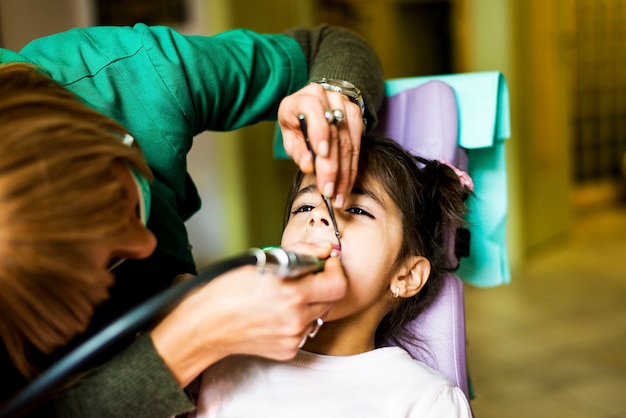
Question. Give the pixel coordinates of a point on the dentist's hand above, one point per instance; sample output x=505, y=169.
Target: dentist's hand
x=337, y=145
x=247, y=312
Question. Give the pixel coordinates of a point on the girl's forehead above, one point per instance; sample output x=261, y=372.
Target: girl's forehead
x=365, y=180
x=365, y=185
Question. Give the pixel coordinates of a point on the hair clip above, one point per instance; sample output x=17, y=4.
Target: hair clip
x=464, y=178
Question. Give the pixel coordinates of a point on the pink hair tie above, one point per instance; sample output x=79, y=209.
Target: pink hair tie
x=464, y=178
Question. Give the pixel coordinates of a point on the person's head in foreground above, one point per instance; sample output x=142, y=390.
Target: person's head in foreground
x=69, y=206
x=395, y=242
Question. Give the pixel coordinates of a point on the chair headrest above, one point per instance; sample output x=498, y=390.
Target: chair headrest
x=425, y=120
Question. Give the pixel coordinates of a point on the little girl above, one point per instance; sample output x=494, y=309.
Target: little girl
x=394, y=249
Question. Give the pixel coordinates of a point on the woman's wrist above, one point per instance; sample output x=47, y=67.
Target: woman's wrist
x=349, y=90
x=185, y=347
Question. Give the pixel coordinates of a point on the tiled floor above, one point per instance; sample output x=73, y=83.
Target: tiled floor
x=553, y=342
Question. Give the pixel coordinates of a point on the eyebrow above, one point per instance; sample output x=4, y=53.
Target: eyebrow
x=311, y=188
x=356, y=191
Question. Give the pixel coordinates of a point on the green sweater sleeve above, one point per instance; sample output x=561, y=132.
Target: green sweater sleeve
x=135, y=383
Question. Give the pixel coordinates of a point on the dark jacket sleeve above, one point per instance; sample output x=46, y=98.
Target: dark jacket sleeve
x=135, y=383
x=339, y=53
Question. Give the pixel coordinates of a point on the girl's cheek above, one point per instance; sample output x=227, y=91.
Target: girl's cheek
x=288, y=234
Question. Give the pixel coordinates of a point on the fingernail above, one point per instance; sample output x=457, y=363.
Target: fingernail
x=329, y=188
x=323, y=149
x=339, y=201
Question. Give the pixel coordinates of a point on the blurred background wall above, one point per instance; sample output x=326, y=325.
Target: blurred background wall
x=564, y=61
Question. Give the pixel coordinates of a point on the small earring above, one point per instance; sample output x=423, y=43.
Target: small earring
x=396, y=293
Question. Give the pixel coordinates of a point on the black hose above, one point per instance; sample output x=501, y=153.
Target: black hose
x=130, y=323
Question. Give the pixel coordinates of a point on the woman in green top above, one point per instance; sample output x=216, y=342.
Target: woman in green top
x=63, y=140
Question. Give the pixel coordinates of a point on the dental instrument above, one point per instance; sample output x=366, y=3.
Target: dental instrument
x=331, y=211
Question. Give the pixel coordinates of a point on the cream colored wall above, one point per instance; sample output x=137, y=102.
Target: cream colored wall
x=24, y=20
x=543, y=40
x=526, y=40
x=484, y=42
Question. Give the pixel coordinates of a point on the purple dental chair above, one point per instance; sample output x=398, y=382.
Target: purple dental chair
x=425, y=120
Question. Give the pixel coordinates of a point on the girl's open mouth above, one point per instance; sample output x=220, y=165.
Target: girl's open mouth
x=336, y=252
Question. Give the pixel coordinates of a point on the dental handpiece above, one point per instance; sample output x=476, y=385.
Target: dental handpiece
x=286, y=264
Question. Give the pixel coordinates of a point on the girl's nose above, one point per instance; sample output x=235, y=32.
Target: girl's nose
x=319, y=217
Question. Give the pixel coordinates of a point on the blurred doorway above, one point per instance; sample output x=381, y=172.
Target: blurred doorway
x=599, y=101
x=413, y=38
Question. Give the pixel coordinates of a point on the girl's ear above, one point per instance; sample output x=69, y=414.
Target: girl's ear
x=411, y=278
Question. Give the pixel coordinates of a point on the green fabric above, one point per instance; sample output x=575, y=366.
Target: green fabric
x=165, y=88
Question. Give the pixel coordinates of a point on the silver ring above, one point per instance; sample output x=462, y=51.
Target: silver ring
x=317, y=324
x=339, y=116
x=316, y=327
x=330, y=117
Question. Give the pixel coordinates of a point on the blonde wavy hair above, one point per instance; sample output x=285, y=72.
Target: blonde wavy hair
x=58, y=197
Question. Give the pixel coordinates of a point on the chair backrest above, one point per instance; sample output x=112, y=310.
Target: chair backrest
x=425, y=121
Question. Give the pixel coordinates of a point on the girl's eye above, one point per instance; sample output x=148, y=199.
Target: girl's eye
x=302, y=209
x=359, y=211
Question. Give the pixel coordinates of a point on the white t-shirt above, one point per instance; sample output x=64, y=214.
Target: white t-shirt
x=385, y=382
